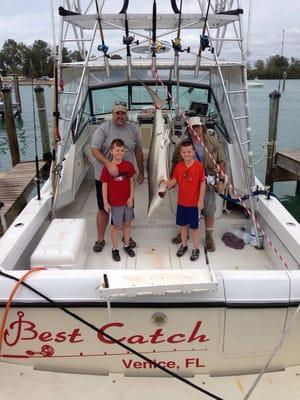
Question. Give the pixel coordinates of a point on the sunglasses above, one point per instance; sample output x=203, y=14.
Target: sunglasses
x=187, y=176
x=120, y=103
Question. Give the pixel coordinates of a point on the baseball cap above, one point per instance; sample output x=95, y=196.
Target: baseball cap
x=195, y=121
x=119, y=106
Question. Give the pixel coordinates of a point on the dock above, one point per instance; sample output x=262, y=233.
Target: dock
x=287, y=167
x=16, y=187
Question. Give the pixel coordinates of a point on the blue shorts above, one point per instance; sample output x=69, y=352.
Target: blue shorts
x=187, y=216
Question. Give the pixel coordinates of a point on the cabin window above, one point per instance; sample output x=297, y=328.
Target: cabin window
x=102, y=99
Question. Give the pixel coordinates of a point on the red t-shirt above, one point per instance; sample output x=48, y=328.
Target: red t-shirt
x=118, y=188
x=189, y=180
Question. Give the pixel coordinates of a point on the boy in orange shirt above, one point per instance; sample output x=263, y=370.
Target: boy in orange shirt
x=189, y=174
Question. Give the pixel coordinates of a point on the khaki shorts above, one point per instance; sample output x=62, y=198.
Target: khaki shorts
x=209, y=202
x=121, y=214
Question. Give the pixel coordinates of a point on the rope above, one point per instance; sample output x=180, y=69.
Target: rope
x=97, y=330
x=10, y=299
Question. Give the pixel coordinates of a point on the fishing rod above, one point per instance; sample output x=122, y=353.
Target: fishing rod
x=56, y=138
x=153, y=44
x=127, y=39
x=204, y=42
x=37, y=168
x=102, y=47
x=176, y=43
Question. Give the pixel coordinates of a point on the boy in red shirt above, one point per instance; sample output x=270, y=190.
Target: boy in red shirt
x=189, y=174
x=118, y=197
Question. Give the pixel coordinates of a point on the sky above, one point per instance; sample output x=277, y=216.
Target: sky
x=31, y=20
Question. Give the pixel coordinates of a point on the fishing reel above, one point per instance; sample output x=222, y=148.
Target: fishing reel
x=177, y=46
x=103, y=47
x=129, y=40
x=204, y=43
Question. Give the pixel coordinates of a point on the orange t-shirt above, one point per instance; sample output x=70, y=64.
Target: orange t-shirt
x=189, y=180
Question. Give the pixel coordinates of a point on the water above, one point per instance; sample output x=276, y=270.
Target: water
x=288, y=134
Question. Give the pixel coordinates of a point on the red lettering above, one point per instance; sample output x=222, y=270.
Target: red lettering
x=127, y=364
x=60, y=337
x=74, y=336
x=20, y=327
x=137, y=339
x=137, y=364
x=194, y=337
x=45, y=336
x=171, y=339
x=158, y=333
x=106, y=340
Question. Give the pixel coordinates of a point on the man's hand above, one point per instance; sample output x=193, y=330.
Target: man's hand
x=140, y=178
x=107, y=207
x=112, y=168
x=220, y=187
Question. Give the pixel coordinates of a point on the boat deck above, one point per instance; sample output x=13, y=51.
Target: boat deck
x=155, y=250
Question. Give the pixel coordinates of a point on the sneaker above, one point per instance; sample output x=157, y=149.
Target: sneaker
x=116, y=255
x=129, y=251
x=195, y=254
x=181, y=251
x=98, y=246
x=132, y=243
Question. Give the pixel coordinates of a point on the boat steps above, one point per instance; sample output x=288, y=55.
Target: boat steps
x=133, y=283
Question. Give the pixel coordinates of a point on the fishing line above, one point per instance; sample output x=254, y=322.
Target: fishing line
x=108, y=336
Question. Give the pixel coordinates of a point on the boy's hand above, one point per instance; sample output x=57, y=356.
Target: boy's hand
x=130, y=202
x=200, y=205
x=107, y=207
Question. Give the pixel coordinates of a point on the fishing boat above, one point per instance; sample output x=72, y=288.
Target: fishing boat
x=255, y=83
x=66, y=308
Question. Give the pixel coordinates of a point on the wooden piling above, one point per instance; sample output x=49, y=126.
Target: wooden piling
x=272, y=136
x=42, y=113
x=10, y=126
x=17, y=93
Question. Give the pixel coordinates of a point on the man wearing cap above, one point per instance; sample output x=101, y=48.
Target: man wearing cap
x=196, y=132
x=116, y=128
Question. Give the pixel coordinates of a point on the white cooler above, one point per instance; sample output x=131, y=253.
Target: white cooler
x=64, y=245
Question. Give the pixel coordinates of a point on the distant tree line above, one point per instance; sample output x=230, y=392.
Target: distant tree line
x=274, y=67
x=37, y=60
x=31, y=61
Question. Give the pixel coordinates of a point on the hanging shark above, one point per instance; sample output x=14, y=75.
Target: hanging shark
x=157, y=164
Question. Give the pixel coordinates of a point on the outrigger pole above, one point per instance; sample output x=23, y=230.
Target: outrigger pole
x=153, y=44
x=204, y=42
x=102, y=47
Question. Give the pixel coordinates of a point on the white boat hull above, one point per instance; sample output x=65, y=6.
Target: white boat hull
x=204, y=333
